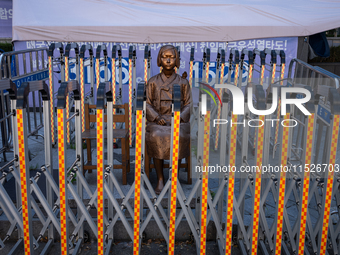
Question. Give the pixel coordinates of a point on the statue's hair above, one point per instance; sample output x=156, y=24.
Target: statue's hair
x=167, y=47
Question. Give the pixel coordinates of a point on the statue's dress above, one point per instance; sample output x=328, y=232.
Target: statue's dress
x=158, y=103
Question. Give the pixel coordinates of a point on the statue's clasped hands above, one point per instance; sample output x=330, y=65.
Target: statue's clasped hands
x=161, y=121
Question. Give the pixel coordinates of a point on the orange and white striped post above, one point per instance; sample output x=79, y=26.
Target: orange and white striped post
x=113, y=72
x=130, y=101
x=100, y=178
x=82, y=91
x=282, y=187
x=97, y=71
x=283, y=65
x=262, y=74
x=205, y=189
x=24, y=178
x=50, y=81
x=62, y=182
x=139, y=157
x=328, y=190
x=145, y=70
x=231, y=183
x=67, y=100
x=257, y=192
x=191, y=68
x=305, y=188
x=146, y=62
x=237, y=69
x=250, y=73
x=273, y=74
x=136, y=224
x=174, y=167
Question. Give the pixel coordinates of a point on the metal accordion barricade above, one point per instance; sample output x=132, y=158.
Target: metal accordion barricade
x=22, y=216
x=173, y=217
x=74, y=171
x=106, y=180
x=292, y=210
x=21, y=66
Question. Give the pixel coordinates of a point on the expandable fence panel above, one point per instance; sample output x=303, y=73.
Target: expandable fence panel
x=309, y=145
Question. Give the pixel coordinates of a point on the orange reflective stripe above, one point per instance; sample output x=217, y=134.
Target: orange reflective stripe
x=250, y=73
x=23, y=178
x=145, y=70
x=237, y=67
x=191, y=73
x=174, y=170
x=50, y=81
x=329, y=186
x=100, y=180
x=231, y=182
x=82, y=91
x=304, y=201
x=282, y=188
x=130, y=102
x=207, y=72
x=138, y=163
x=97, y=72
x=205, y=190
x=114, y=90
x=257, y=193
x=282, y=73
x=67, y=101
x=273, y=73
x=62, y=182
x=262, y=74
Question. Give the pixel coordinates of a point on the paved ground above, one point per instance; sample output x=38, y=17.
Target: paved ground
x=151, y=247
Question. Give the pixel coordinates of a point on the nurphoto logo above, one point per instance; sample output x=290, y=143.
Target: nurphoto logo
x=238, y=104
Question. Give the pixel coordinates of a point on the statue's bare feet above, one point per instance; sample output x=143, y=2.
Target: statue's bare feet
x=159, y=187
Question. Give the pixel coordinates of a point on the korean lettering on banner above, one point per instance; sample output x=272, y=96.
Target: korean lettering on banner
x=261, y=44
x=6, y=16
x=6, y=13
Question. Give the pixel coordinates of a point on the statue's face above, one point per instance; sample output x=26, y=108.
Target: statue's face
x=168, y=59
